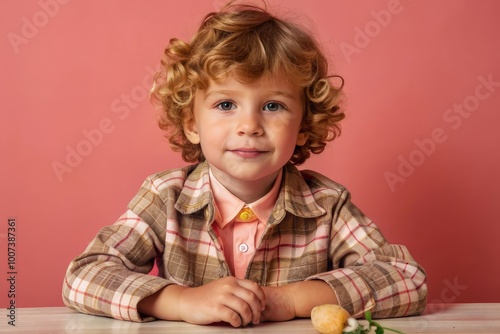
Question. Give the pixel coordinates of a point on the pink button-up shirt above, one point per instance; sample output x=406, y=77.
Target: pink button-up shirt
x=239, y=225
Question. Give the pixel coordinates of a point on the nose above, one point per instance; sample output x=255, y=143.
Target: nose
x=250, y=123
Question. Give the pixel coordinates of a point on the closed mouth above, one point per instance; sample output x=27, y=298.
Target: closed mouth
x=248, y=152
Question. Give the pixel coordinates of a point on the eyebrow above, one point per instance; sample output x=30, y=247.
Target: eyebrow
x=231, y=92
x=221, y=92
x=286, y=94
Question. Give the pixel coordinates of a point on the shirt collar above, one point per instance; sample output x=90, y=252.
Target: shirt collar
x=228, y=206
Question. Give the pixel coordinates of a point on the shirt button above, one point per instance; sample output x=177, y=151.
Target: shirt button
x=243, y=248
x=245, y=214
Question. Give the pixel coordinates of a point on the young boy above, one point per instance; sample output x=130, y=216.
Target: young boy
x=243, y=236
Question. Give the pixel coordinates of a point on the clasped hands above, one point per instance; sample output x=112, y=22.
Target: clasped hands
x=239, y=302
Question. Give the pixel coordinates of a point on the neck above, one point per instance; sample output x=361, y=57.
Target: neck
x=246, y=190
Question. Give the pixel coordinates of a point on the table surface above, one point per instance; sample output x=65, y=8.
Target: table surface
x=438, y=318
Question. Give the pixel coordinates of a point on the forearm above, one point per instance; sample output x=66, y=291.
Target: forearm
x=107, y=289
x=162, y=304
x=296, y=299
x=386, y=281
x=308, y=294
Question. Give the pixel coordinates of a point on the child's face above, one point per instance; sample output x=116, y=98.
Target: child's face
x=247, y=131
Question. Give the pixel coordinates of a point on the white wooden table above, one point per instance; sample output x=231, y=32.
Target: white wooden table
x=438, y=318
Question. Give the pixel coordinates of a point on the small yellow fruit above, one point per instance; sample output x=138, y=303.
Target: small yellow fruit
x=329, y=318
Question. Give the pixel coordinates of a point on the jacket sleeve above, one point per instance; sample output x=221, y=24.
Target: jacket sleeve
x=368, y=272
x=111, y=276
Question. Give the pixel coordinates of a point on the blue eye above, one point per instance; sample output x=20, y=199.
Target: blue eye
x=226, y=105
x=273, y=106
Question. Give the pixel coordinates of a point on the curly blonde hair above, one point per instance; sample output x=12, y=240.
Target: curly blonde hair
x=250, y=43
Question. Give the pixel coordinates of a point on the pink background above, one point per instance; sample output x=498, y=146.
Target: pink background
x=419, y=150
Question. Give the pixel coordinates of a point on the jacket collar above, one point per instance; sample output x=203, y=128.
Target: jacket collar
x=295, y=195
x=196, y=193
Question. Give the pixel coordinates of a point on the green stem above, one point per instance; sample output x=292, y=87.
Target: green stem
x=393, y=330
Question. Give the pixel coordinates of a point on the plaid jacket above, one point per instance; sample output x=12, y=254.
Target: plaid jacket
x=314, y=232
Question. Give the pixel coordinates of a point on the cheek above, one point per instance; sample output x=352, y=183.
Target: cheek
x=212, y=136
x=278, y=125
x=209, y=128
x=284, y=130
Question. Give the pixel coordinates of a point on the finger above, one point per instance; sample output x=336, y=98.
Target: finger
x=249, y=308
x=256, y=289
x=238, y=312
x=253, y=298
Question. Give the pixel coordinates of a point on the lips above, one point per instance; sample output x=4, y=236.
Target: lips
x=248, y=153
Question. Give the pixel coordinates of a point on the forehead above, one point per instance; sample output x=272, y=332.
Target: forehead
x=278, y=83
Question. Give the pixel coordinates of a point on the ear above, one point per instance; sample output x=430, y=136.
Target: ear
x=191, y=131
x=302, y=138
